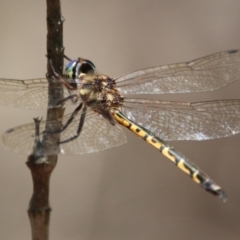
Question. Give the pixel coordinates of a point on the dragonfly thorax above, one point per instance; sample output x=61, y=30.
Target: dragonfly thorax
x=99, y=93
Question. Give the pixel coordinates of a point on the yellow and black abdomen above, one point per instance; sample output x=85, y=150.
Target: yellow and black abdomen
x=172, y=154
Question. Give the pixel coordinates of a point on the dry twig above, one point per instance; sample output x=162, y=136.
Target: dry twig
x=39, y=207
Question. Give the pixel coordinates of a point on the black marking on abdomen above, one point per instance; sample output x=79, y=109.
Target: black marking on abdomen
x=138, y=130
x=145, y=137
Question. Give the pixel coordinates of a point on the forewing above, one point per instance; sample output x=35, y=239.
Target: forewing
x=186, y=121
x=30, y=94
x=204, y=74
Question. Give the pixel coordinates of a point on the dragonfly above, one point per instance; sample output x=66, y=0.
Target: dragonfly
x=105, y=104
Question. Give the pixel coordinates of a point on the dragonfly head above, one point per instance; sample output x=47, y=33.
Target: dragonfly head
x=75, y=67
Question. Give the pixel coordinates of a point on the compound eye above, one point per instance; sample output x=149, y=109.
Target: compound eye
x=87, y=67
x=71, y=65
x=91, y=64
x=70, y=70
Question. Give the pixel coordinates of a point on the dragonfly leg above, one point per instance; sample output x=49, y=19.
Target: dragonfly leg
x=73, y=115
x=64, y=82
x=66, y=57
x=80, y=126
x=53, y=69
x=73, y=97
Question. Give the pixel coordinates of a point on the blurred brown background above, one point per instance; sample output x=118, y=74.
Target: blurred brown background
x=130, y=192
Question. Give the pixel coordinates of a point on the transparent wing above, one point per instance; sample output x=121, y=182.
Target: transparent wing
x=97, y=135
x=31, y=93
x=186, y=121
x=204, y=74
